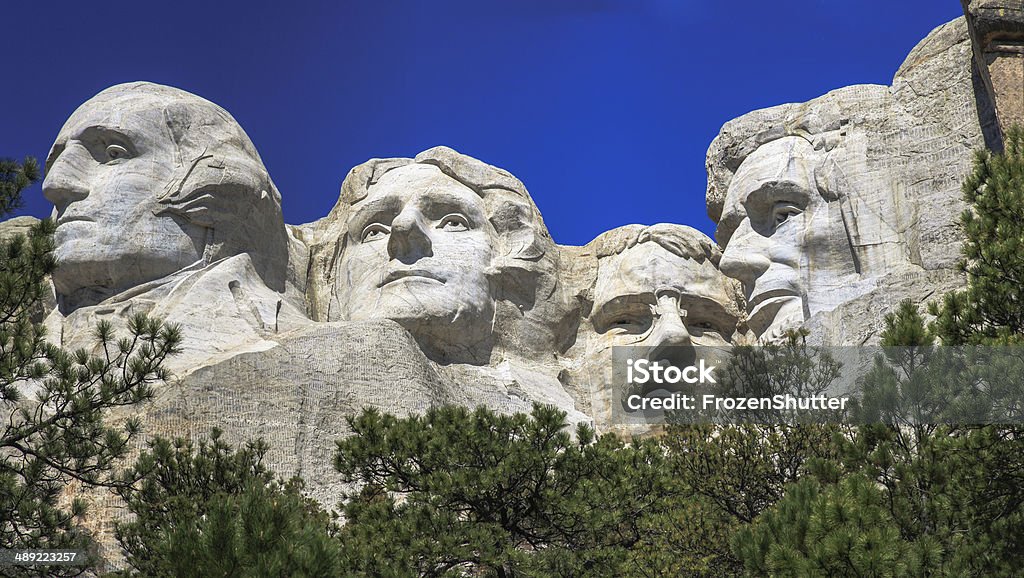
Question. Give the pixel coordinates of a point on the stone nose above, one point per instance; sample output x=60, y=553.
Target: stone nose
x=744, y=257
x=409, y=241
x=669, y=329
x=67, y=179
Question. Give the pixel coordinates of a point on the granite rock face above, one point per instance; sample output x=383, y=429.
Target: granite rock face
x=997, y=33
x=849, y=203
x=434, y=279
x=16, y=226
x=453, y=249
x=657, y=289
x=163, y=206
x=826, y=210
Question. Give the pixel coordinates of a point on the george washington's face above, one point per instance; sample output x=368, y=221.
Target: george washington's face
x=106, y=170
x=419, y=251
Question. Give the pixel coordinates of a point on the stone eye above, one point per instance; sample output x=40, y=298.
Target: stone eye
x=374, y=231
x=783, y=212
x=703, y=328
x=116, y=151
x=627, y=323
x=453, y=222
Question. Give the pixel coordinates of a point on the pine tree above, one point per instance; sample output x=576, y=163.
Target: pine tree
x=907, y=493
x=741, y=463
x=880, y=505
x=842, y=529
x=991, y=309
x=54, y=432
x=457, y=492
x=14, y=178
x=733, y=473
x=214, y=511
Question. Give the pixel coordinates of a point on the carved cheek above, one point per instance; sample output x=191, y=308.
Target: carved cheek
x=365, y=265
x=468, y=252
x=135, y=183
x=789, y=242
x=827, y=228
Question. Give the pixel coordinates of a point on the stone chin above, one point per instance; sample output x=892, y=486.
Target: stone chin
x=420, y=302
x=104, y=263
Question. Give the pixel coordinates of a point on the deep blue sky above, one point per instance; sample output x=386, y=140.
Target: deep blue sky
x=604, y=108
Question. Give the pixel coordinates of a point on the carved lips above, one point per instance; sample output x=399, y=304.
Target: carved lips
x=765, y=307
x=756, y=301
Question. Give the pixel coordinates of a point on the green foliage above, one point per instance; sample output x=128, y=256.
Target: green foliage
x=733, y=473
x=881, y=508
x=25, y=263
x=14, y=178
x=213, y=511
x=991, y=309
x=843, y=529
x=903, y=494
x=985, y=493
x=54, y=432
x=458, y=492
x=911, y=382
x=792, y=367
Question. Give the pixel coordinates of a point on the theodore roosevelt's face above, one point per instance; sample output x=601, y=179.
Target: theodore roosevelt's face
x=106, y=170
x=651, y=298
x=419, y=251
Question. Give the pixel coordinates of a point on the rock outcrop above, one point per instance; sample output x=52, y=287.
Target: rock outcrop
x=434, y=279
x=997, y=34
x=850, y=203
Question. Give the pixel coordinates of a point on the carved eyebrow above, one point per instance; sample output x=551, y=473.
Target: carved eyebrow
x=444, y=202
x=86, y=135
x=772, y=192
x=102, y=130
x=705, y=307
x=762, y=198
x=370, y=211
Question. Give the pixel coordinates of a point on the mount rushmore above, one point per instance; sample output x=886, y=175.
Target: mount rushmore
x=434, y=279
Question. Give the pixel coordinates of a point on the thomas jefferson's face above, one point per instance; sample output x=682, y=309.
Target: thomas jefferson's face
x=106, y=170
x=649, y=297
x=418, y=251
x=772, y=219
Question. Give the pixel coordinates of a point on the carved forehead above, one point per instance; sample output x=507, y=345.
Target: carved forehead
x=648, y=268
x=787, y=163
x=417, y=180
x=156, y=111
x=133, y=114
x=790, y=159
x=422, y=185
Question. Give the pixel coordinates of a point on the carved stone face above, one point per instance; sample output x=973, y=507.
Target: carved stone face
x=648, y=296
x=106, y=170
x=419, y=250
x=773, y=224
